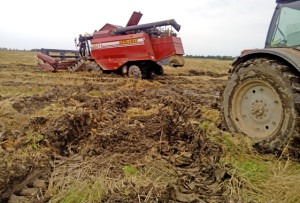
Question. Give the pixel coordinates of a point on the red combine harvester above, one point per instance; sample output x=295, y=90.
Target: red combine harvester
x=134, y=50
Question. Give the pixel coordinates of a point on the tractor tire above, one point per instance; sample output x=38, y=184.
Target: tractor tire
x=135, y=72
x=261, y=101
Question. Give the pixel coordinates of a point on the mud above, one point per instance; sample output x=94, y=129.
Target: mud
x=208, y=73
x=115, y=122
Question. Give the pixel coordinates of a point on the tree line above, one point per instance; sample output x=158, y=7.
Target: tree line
x=10, y=49
x=211, y=57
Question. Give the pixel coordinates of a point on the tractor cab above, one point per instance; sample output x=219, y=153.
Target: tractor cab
x=284, y=31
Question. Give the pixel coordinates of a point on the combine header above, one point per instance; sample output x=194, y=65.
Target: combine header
x=134, y=50
x=54, y=62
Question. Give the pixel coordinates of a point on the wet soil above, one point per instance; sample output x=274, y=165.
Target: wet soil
x=105, y=115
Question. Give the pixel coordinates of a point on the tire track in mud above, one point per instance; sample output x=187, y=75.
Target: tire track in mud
x=137, y=118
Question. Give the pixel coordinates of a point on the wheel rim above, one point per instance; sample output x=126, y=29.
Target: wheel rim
x=134, y=72
x=257, y=109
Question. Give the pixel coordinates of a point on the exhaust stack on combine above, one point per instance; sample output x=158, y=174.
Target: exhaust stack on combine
x=134, y=50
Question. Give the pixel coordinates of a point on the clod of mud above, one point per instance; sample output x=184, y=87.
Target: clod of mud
x=66, y=131
x=23, y=171
x=199, y=176
x=2, y=98
x=9, y=135
x=30, y=104
x=36, y=123
x=208, y=73
x=293, y=149
x=16, y=199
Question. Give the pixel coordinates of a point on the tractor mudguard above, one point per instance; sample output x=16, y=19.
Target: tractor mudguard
x=289, y=55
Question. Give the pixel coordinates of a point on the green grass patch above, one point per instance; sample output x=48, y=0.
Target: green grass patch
x=17, y=57
x=25, y=90
x=133, y=112
x=34, y=139
x=256, y=177
x=96, y=93
x=129, y=170
x=88, y=182
x=88, y=191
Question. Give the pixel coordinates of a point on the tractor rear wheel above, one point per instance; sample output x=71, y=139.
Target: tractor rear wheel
x=259, y=101
x=135, y=72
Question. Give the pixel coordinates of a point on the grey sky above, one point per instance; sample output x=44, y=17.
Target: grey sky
x=208, y=27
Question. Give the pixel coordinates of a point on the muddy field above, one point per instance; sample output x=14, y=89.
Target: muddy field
x=96, y=137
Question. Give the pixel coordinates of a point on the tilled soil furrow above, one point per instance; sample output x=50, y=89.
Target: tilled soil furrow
x=130, y=121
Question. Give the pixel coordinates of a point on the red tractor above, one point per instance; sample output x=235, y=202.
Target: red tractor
x=262, y=96
x=134, y=50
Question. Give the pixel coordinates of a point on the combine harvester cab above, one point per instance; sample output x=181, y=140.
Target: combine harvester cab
x=134, y=50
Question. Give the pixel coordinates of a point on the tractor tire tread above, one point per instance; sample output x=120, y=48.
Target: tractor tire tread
x=289, y=76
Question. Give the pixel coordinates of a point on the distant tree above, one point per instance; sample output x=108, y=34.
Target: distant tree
x=211, y=57
x=36, y=50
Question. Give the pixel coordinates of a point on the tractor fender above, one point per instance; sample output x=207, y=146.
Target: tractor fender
x=288, y=55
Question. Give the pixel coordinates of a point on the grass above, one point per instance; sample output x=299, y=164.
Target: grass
x=200, y=65
x=34, y=140
x=129, y=170
x=140, y=85
x=10, y=119
x=90, y=181
x=25, y=90
x=96, y=93
x=17, y=57
x=261, y=178
x=254, y=177
x=133, y=112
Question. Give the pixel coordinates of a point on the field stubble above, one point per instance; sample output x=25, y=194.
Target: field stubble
x=91, y=137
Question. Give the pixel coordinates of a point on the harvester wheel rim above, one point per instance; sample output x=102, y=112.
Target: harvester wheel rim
x=257, y=109
x=92, y=67
x=135, y=72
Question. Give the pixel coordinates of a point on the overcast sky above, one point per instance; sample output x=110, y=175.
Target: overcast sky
x=208, y=27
